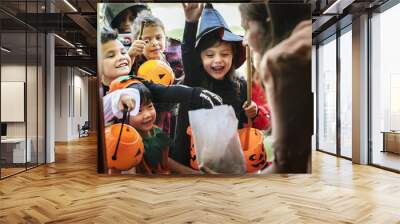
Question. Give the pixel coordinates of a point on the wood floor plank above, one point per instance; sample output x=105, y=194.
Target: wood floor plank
x=70, y=191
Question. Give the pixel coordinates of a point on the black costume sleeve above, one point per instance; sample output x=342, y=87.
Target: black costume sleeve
x=190, y=58
x=196, y=97
x=169, y=94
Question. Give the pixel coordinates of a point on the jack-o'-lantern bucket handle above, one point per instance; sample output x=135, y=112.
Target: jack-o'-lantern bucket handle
x=252, y=139
x=124, y=116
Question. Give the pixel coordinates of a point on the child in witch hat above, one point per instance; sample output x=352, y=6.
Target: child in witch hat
x=210, y=61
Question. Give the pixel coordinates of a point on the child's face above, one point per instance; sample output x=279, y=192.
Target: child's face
x=217, y=60
x=155, y=38
x=126, y=22
x=115, y=60
x=144, y=121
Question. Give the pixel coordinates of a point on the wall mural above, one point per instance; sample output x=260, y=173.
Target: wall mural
x=182, y=92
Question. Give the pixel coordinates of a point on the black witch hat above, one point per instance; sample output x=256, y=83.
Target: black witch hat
x=211, y=21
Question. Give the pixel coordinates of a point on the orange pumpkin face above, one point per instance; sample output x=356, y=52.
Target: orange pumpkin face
x=253, y=148
x=122, y=82
x=193, y=158
x=157, y=71
x=130, y=148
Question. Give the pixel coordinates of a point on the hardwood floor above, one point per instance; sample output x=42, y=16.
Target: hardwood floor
x=10, y=171
x=70, y=191
x=388, y=159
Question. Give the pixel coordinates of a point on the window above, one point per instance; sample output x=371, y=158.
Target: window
x=327, y=95
x=22, y=74
x=346, y=92
x=385, y=87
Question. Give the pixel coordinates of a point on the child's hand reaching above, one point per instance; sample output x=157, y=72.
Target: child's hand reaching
x=137, y=48
x=126, y=101
x=251, y=111
x=206, y=98
x=192, y=11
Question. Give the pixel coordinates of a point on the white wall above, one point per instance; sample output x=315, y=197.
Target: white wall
x=33, y=126
x=71, y=102
x=14, y=73
x=61, y=104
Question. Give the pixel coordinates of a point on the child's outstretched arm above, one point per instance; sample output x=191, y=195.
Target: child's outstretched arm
x=192, y=11
x=196, y=96
x=191, y=61
x=113, y=103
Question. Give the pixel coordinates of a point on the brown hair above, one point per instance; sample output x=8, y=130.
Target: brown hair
x=276, y=20
x=107, y=34
x=259, y=12
x=148, y=19
x=285, y=18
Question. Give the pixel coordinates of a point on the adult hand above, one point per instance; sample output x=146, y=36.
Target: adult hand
x=192, y=11
x=137, y=48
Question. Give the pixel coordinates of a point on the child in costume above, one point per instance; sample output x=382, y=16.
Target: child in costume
x=156, y=143
x=210, y=61
x=149, y=43
x=121, y=16
x=149, y=40
x=115, y=62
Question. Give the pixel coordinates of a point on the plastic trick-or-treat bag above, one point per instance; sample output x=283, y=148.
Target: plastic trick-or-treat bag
x=217, y=143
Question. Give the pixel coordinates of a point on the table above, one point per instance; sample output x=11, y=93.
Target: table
x=391, y=141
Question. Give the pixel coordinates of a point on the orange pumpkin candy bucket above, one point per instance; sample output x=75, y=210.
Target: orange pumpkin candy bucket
x=251, y=140
x=193, y=157
x=124, y=148
x=157, y=71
